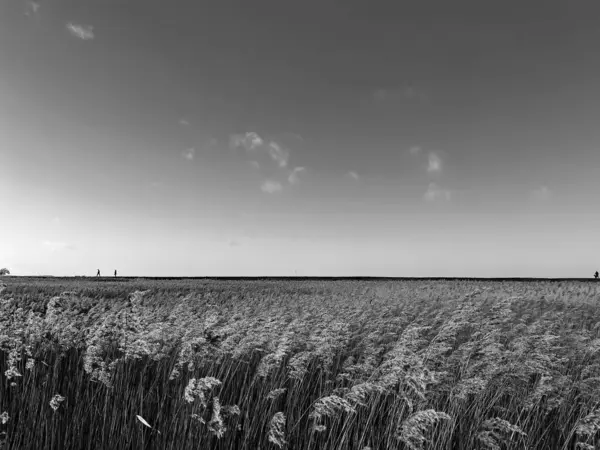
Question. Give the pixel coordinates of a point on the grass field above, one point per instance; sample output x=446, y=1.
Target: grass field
x=307, y=364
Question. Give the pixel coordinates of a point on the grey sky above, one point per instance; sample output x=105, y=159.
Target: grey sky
x=335, y=138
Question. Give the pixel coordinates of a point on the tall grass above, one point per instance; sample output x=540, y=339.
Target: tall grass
x=299, y=365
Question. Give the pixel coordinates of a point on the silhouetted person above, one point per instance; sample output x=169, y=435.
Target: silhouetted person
x=596, y=275
x=98, y=274
x=115, y=273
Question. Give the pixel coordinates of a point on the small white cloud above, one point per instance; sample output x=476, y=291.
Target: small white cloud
x=434, y=192
x=543, y=193
x=184, y=122
x=294, y=177
x=252, y=142
x=353, y=175
x=435, y=163
x=85, y=32
x=278, y=154
x=271, y=187
x=249, y=141
x=32, y=8
x=189, y=154
x=57, y=246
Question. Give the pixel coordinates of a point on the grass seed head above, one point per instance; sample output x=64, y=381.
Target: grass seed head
x=56, y=401
x=277, y=430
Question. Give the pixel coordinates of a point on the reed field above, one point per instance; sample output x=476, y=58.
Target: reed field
x=298, y=364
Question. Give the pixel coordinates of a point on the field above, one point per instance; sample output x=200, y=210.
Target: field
x=298, y=364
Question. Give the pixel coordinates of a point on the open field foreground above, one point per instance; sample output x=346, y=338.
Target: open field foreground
x=182, y=364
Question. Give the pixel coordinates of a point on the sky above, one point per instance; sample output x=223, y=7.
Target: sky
x=314, y=138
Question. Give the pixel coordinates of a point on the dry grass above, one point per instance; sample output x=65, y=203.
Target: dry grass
x=299, y=365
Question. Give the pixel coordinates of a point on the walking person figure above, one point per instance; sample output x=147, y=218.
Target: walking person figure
x=98, y=274
x=115, y=273
x=596, y=275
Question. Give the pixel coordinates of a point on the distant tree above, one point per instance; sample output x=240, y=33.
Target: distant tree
x=4, y=271
x=596, y=275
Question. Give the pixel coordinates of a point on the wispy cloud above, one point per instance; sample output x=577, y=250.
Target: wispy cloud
x=352, y=175
x=414, y=150
x=189, y=154
x=271, y=187
x=184, y=122
x=434, y=193
x=57, y=246
x=435, y=163
x=248, y=141
x=253, y=143
x=234, y=243
x=279, y=154
x=85, y=32
x=31, y=8
x=294, y=177
x=268, y=155
x=543, y=193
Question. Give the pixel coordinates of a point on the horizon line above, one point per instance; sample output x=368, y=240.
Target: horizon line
x=298, y=277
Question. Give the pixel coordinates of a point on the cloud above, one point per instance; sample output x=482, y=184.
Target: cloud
x=31, y=8
x=184, y=122
x=294, y=177
x=234, y=243
x=253, y=143
x=434, y=193
x=85, y=32
x=278, y=154
x=353, y=175
x=415, y=150
x=543, y=193
x=56, y=221
x=254, y=164
x=249, y=141
x=189, y=154
x=57, y=246
x=271, y=187
x=435, y=163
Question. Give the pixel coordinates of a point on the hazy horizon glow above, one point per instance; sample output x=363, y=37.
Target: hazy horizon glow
x=306, y=138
